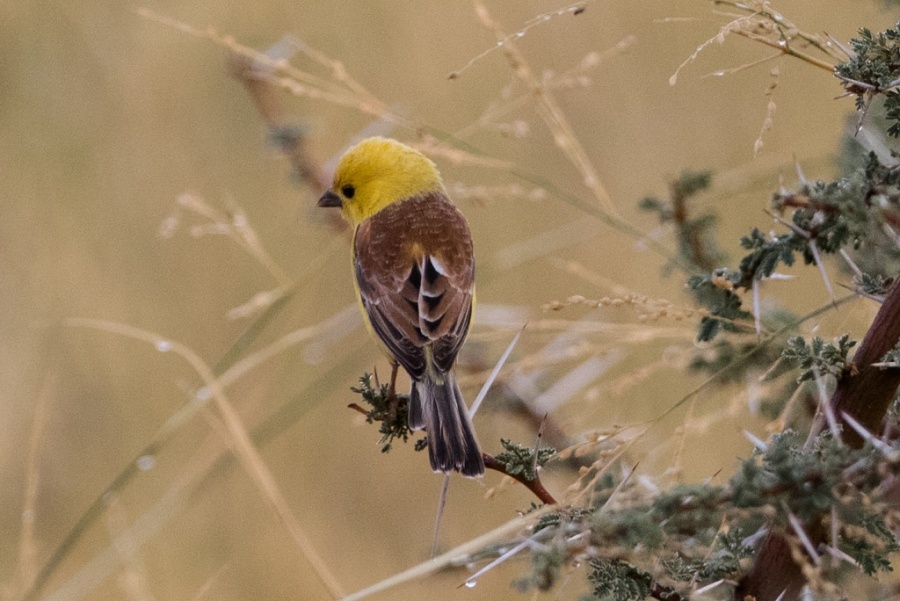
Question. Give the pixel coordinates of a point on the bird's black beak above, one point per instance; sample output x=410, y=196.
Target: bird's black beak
x=329, y=199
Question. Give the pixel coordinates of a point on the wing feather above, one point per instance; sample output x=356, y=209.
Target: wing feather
x=415, y=272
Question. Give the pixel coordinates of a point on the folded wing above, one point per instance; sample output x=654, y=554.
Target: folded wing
x=415, y=273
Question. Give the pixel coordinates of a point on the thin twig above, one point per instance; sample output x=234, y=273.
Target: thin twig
x=535, y=486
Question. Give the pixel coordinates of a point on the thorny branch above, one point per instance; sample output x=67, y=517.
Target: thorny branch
x=534, y=486
x=490, y=462
x=864, y=395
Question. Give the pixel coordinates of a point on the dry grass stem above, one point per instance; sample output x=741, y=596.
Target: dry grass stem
x=143, y=529
x=583, y=486
x=739, y=68
x=506, y=483
x=538, y=20
x=623, y=332
x=681, y=440
x=648, y=309
x=618, y=387
x=544, y=243
x=575, y=77
x=473, y=579
x=290, y=139
x=338, y=71
x=341, y=90
x=103, y=564
x=758, y=22
x=133, y=579
x=626, y=478
x=741, y=359
x=483, y=195
x=442, y=503
x=334, y=325
x=494, y=372
x=236, y=226
x=258, y=303
x=537, y=361
x=203, y=591
x=735, y=407
x=719, y=38
x=550, y=111
x=27, y=545
x=454, y=556
x=588, y=275
x=785, y=418
x=564, y=388
x=239, y=441
x=813, y=247
x=777, y=25
x=434, y=148
x=770, y=112
x=606, y=440
x=265, y=299
x=341, y=323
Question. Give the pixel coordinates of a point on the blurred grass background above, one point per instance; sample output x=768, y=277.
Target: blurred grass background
x=108, y=117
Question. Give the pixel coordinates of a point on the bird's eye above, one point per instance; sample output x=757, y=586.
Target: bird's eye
x=348, y=191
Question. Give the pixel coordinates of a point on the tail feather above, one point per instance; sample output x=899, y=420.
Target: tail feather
x=416, y=413
x=439, y=408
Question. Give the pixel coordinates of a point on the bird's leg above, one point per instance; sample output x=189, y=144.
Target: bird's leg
x=392, y=400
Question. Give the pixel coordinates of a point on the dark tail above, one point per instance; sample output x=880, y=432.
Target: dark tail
x=441, y=410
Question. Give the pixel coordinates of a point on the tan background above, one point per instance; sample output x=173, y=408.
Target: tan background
x=107, y=117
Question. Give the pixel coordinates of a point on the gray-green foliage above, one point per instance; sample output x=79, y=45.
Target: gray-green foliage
x=875, y=69
x=847, y=214
x=694, y=230
x=696, y=534
x=390, y=413
x=892, y=356
x=616, y=580
x=667, y=543
x=819, y=358
x=519, y=459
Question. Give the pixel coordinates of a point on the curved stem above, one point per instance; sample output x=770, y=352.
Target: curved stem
x=535, y=486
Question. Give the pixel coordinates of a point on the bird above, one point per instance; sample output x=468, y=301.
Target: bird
x=414, y=269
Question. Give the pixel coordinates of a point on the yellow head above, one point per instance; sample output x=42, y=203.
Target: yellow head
x=376, y=173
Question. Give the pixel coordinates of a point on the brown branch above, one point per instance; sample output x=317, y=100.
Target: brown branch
x=799, y=201
x=774, y=573
x=692, y=237
x=491, y=463
x=864, y=394
x=664, y=593
x=535, y=486
x=289, y=138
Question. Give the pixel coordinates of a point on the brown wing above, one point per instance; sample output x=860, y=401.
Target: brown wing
x=416, y=276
